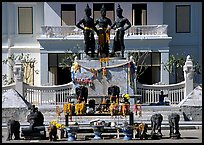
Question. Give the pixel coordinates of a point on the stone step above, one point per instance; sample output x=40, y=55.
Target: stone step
x=49, y=112
x=106, y=118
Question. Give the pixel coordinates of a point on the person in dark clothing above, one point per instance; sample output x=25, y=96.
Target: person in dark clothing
x=88, y=31
x=118, y=26
x=104, y=33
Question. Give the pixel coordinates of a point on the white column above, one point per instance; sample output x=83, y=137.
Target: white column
x=44, y=67
x=164, y=78
x=188, y=76
x=10, y=62
x=19, y=74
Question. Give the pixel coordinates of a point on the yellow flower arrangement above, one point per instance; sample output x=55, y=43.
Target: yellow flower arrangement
x=58, y=125
x=53, y=122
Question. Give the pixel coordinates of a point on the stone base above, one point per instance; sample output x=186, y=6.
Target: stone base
x=156, y=136
x=38, y=133
x=192, y=113
x=175, y=136
x=19, y=114
x=116, y=73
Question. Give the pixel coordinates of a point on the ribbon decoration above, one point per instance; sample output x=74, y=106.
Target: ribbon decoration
x=104, y=71
x=76, y=66
x=95, y=72
x=138, y=108
x=105, y=60
x=128, y=67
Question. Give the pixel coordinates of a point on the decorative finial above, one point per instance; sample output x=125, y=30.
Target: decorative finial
x=103, y=8
x=119, y=8
x=87, y=8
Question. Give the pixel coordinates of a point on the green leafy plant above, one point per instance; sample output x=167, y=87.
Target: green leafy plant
x=69, y=58
x=175, y=64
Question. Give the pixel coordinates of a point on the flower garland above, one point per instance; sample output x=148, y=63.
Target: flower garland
x=89, y=80
x=86, y=81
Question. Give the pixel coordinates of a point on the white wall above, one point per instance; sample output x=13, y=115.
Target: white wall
x=4, y=18
x=155, y=13
x=184, y=44
x=52, y=13
x=21, y=43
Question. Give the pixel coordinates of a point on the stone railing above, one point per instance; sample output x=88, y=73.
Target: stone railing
x=68, y=31
x=150, y=93
x=7, y=87
x=48, y=95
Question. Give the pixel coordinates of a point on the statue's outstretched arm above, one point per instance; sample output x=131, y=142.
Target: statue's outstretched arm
x=128, y=24
x=79, y=24
x=113, y=25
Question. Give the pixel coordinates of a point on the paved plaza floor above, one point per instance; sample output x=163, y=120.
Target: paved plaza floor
x=187, y=136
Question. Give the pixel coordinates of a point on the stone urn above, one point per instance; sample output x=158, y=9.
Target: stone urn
x=72, y=132
x=98, y=130
x=127, y=130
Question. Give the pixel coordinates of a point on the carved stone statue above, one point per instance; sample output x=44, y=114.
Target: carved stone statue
x=113, y=92
x=156, y=121
x=174, y=125
x=52, y=129
x=35, y=118
x=118, y=25
x=82, y=93
x=104, y=33
x=141, y=130
x=88, y=31
x=36, y=128
x=13, y=127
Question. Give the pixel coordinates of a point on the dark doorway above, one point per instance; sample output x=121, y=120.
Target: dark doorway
x=63, y=76
x=139, y=14
x=146, y=77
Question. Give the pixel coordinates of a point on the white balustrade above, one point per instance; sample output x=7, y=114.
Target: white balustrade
x=50, y=95
x=60, y=94
x=7, y=87
x=66, y=31
x=150, y=93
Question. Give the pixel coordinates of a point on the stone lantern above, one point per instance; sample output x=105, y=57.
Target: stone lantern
x=188, y=75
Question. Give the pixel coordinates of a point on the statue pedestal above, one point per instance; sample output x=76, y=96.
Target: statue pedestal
x=103, y=73
x=175, y=135
x=37, y=133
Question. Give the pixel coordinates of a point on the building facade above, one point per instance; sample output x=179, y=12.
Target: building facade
x=46, y=31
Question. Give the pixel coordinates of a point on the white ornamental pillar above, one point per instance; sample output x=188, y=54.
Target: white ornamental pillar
x=18, y=75
x=188, y=76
